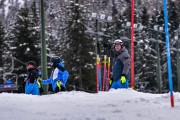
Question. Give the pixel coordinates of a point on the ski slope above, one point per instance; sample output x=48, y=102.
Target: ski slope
x=122, y=104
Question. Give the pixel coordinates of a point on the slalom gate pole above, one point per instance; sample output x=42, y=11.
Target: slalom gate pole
x=97, y=69
x=102, y=84
x=104, y=74
x=168, y=53
x=108, y=75
x=132, y=44
x=99, y=74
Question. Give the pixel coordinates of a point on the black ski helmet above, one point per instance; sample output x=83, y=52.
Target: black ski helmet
x=32, y=63
x=55, y=59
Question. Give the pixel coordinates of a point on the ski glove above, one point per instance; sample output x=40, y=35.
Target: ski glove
x=58, y=83
x=110, y=81
x=123, y=79
x=39, y=80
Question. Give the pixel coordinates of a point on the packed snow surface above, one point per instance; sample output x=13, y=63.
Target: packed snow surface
x=122, y=104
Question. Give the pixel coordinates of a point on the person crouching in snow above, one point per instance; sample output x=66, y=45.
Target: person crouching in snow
x=120, y=66
x=58, y=76
x=31, y=85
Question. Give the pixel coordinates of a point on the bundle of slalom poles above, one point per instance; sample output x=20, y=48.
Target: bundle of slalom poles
x=102, y=79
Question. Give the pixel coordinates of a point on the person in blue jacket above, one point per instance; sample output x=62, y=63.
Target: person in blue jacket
x=31, y=85
x=120, y=66
x=59, y=75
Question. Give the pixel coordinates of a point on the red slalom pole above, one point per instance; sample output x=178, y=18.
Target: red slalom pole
x=172, y=100
x=108, y=76
x=132, y=44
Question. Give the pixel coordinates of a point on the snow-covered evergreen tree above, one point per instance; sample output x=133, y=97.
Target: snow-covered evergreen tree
x=2, y=50
x=79, y=54
x=58, y=38
x=25, y=37
x=173, y=31
x=2, y=39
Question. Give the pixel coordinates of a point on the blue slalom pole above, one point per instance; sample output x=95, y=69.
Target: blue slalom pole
x=168, y=53
x=99, y=77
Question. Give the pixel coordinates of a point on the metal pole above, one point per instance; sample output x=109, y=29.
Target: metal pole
x=178, y=61
x=43, y=48
x=158, y=68
x=97, y=36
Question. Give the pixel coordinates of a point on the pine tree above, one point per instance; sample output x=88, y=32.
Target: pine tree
x=143, y=50
x=174, y=24
x=2, y=38
x=35, y=32
x=145, y=17
x=79, y=58
x=173, y=17
x=25, y=37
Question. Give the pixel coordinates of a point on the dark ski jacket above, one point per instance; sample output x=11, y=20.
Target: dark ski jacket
x=31, y=86
x=121, y=64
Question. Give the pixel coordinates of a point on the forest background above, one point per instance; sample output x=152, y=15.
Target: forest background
x=72, y=31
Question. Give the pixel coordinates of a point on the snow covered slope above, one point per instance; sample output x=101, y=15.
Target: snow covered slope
x=124, y=104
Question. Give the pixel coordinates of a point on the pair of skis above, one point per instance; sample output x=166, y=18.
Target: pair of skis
x=102, y=80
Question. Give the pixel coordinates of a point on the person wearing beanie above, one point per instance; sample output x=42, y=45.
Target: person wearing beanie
x=59, y=75
x=31, y=86
x=120, y=66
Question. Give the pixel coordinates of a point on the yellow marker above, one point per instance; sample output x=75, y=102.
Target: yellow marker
x=108, y=61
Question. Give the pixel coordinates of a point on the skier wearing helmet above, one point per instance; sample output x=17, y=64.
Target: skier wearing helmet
x=58, y=76
x=120, y=66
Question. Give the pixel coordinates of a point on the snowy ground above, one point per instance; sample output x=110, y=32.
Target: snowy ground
x=124, y=104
